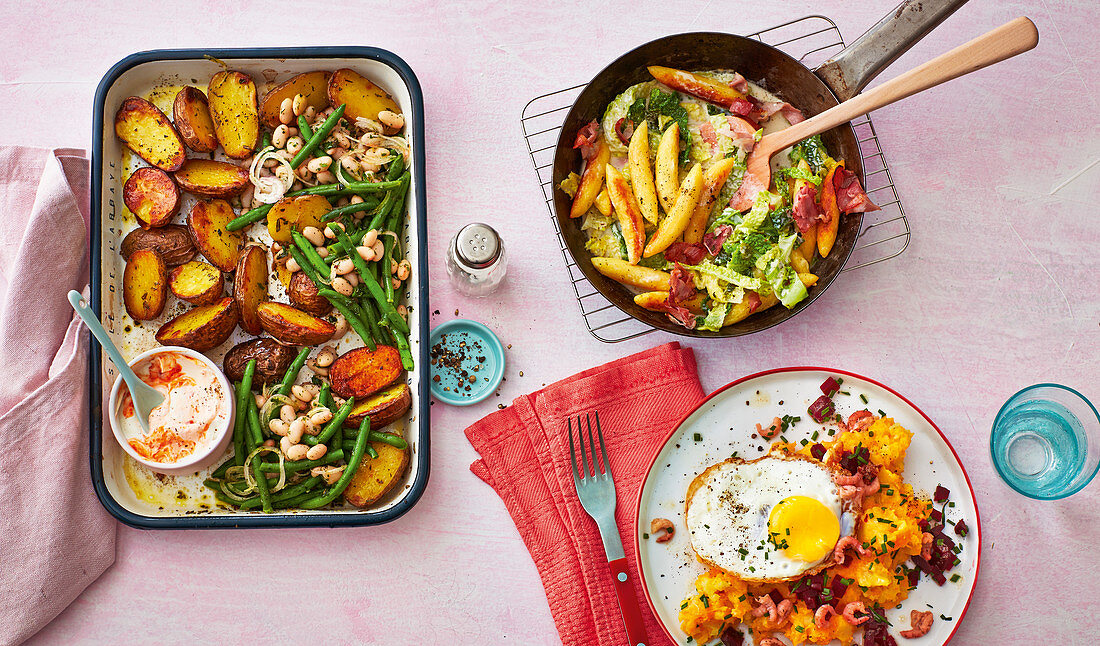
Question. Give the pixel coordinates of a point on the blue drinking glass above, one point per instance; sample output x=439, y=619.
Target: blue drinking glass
x=1046, y=441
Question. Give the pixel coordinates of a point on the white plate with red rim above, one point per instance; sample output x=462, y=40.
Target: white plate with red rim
x=723, y=423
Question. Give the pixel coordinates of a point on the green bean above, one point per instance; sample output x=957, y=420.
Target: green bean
x=318, y=137
x=387, y=308
x=255, y=463
x=332, y=493
x=223, y=467
x=303, y=127
x=403, y=350
x=245, y=219
x=396, y=441
x=387, y=262
x=292, y=372
x=347, y=209
x=349, y=445
x=295, y=502
x=265, y=141
x=260, y=212
x=370, y=315
x=309, y=252
x=221, y=497
x=293, y=491
x=379, y=217
x=244, y=390
x=325, y=396
x=303, y=465
x=352, y=319
x=334, y=424
x=306, y=267
x=397, y=166
x=377, y=187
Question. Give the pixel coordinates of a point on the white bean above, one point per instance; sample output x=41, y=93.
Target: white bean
x=297, y=452
x=341, y=327
x=285, y=444
x=329, y=233
x=321, y=417
x=349, y=163
x=353, y=278
x=286, y=110
x=343, y=201
x=297, y=430
x=319, y=164
x=342, y=286
x=260, y=401
x=366, y=253
x=310, y=112
x=379, y=250
x=301, y=392
x=393, y=266
x=278, y=426
x=345, y=266
x=279, y=137
x=391, y=119
x=316, y=452
x=370, y=237
x=287, y=413
x=294, y=144
x=292, y=265
x=326, y=356
x=396, y=283
x=403, y=311
x=403, y=270
x=322, y=251
x=314, y=235
x=299, y=104
x=357, y=199
x=312, y=365
x=325, y=177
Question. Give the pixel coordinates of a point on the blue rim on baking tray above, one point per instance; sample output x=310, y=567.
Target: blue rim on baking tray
x=95, y=359
x=467, y=362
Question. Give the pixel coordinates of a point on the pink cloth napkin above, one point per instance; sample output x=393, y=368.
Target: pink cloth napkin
x=55, y=537
x=525, y=457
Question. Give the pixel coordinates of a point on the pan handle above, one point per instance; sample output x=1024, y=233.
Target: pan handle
x=853, y=68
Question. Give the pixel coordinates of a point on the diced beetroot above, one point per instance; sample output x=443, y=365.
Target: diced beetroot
x=936, y=516
x=822, y=409
x=961, y=529
x=817, y=451
x=875, y=634
x=776, y=596
x=731, y=636
x=854, y=460
x=929, y=569
x=817, y=581
x=830, y=387
x=838, y=587
x=941, y=493
x=914, y=578
x=942, y=539
x=923, y=523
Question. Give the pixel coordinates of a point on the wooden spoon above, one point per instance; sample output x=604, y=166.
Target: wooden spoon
x=1004, y=42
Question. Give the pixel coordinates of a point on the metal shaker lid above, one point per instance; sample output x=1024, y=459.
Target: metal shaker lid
x=478, y=245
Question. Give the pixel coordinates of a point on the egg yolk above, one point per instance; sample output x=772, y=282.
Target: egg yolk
x=804, y=528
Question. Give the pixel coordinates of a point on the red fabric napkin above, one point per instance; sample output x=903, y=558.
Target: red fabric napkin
x=55, y=537
x=525, y=458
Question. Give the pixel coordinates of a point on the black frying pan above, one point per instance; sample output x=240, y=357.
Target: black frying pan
x=812, y=91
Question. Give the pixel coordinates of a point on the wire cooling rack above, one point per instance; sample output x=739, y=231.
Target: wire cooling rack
x=812, y=40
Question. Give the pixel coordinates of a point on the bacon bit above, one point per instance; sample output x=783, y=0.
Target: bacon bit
x=850, y=610
x=806, y=212
x=714, y=240
x=624, y=132
x=850, y=197
x=741, y=131
x=658, y=525
x=689, y=254
x=732, y=637
x=586, y=139
x=742, y=107
x=681, y=290
x=707, y=133
x=922, y=623
x=739, y=83
x=926, y=542
x=770, y=431
x=843, y=545
x=823, y=618
x=754, y=301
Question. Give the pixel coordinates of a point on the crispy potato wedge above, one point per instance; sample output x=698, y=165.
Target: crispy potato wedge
x=361, y=373
x=232, y=99
x=713, y=181
x=173, y=242
x=799, y=262
x=191, y=113
x=383, y=407
x=591, y=180
x=144, y=285
x=706, y=89
x=633, y=275
x=147, y=132
x=292, y=213
x=303, y=295
x=603, y=203
x=808, y=279
x=207, y=222
x=641, y=173
x=363, y=98
x=201, y=328
x=312, y=85
x=674, y=223
x=378, y=476
x=197, y=283
x=809, y=243
x=152, y=196
x=668, y=167
x=272, y=360
x=291, y=325
x=250, y=286
x=742, y=310
x=656, y=301
x=630, y=215
x=826, y=231
x=211, y=178
x=283, y=274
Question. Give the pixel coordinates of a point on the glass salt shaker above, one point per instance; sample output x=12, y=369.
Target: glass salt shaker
x=476, y=263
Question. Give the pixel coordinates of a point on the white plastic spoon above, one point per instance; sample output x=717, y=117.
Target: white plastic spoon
x=144, y=396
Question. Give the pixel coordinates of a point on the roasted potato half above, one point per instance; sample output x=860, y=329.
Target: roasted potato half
x=303, y=295
x=232, y=99
x=250, y=286
x=378, y=476
x=197, y=283
x=383, y=407
x=207, y=222
x=296, y=213
x=363, y=98
x=360, y=373
x=152, y=196
x=272, y=360
x=144, y=285
x=201, y=328
x=146, y=131
x=173, y=242
x=211, y=178
x=292, y=325
x=312, y=85
x=191, y=113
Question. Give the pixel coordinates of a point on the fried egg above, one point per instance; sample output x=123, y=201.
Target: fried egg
x=771, y=519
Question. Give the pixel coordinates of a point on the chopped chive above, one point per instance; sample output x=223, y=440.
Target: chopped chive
x=697, y=437
x=863, y=398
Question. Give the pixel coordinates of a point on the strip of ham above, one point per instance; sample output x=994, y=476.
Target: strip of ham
x=805, y=211
x=740, y=131
x=707, y=133
x=739, y=83
x=714, y=240
x=681, y=289
x=689, y=254
x=586, y=137
x=850, y=197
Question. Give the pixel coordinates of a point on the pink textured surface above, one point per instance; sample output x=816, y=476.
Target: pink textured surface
x=999, y=175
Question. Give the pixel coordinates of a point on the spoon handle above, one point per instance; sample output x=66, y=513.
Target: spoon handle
x=84, y=311
x=1008, y=40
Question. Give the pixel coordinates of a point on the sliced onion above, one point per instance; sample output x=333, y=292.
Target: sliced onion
x=251, y=479
x=269, y=406
x=231, y=494
x=270, y=190
x=369, y=124
x=394, y=143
